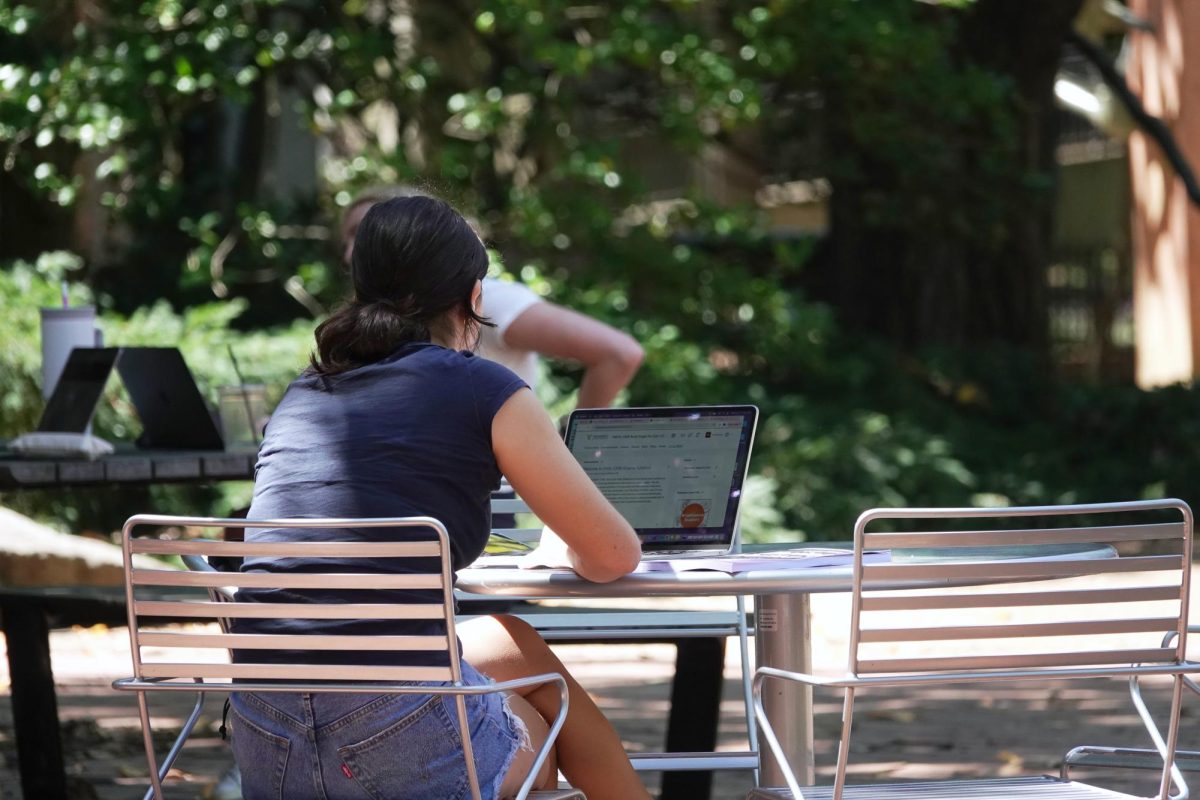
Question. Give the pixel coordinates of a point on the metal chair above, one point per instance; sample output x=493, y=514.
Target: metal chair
x=1137, y=757
x=160, y=664
x=1153, y=554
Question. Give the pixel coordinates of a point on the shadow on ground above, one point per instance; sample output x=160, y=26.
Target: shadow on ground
x=949, y=732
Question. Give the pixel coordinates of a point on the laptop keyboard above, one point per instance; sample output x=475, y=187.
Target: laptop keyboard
x=683, y=553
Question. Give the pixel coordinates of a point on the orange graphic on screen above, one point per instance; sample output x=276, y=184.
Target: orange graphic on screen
x=692, y=515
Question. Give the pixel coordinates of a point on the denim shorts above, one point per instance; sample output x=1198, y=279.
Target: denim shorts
x=370, y=747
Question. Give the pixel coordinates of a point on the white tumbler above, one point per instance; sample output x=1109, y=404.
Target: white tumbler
x=64, y=329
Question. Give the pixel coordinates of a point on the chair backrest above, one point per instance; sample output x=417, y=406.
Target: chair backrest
x=168, y=656
x=1120, y=575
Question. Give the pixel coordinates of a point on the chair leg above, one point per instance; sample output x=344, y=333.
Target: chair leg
x=1171, y=771
x=460, y=704
x=155, y=790
x=159, y=773
x=747, y=680
x=1164, y=790
x=839, y=781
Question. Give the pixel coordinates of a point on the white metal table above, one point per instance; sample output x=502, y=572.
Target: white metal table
x=781, y=615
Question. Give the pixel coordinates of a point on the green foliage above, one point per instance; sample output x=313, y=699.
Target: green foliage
x=24, y=288
x=562, y=127
x=927, y=138
x=203, y=334
x=271, y=356
x=123, y=83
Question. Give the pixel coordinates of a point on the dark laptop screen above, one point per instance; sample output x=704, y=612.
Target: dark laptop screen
x=73, y=402
x=675, y=474
x=173, y=413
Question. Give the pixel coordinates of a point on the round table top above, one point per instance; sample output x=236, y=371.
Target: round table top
x=562, y=583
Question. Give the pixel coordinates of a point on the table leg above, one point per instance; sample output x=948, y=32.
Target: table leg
x=783, y=639
x=695, y=713
x=34, y=706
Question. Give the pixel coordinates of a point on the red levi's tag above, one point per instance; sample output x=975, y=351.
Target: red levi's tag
x=346, y=771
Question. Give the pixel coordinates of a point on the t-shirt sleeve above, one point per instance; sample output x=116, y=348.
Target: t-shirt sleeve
x=491, y=384
x=504, y=301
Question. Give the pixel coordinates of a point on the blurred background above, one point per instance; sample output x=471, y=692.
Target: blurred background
x=949, y=248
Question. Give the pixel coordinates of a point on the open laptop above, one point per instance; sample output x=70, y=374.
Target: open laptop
x=73, y=402
x=675, y=473
x=173, y=414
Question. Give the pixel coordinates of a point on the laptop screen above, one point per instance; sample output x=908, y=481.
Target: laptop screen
x=73, y=402
x=173, y=413
x=675, y=474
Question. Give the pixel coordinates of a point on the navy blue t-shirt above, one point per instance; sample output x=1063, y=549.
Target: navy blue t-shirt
x=410, y=435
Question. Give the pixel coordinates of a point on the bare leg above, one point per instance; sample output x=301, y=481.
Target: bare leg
x=538, y=729
x=589, y=751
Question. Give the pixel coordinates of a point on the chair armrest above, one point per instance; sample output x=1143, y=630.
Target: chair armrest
x=1126, y=758
x=1132, y=758
x=1166, y=642
x=555, y=726
x=807, y=678
x=196, y=563
x=764, y=724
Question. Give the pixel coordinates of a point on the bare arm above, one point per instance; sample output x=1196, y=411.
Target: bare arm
x=610, y=358
x=601, y=545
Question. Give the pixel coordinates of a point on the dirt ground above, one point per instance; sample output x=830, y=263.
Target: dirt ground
x=953, y=731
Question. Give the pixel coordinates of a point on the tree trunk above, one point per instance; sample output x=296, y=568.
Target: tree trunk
x=29, y=224
x=938, y=283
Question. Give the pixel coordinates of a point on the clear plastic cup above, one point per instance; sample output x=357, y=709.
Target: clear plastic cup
x=243, y=411
x=64, y=329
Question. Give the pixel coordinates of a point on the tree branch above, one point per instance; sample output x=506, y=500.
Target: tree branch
x=1154, y=127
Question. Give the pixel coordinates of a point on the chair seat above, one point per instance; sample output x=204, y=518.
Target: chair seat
x=999, y=789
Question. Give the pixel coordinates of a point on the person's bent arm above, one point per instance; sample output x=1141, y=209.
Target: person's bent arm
x=610, y=358
x=601, y=546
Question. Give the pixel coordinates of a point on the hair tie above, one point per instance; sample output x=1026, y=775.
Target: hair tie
x=401, y=309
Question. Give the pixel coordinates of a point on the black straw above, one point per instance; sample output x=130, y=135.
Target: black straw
x=245, y=397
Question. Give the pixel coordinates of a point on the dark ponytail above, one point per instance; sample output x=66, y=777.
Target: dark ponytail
x=415, y=260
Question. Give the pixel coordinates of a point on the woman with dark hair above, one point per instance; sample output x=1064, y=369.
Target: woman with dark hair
x=527, y=327
x=397, y=417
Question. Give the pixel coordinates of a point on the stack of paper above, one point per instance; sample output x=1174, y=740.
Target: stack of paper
x=794, y=558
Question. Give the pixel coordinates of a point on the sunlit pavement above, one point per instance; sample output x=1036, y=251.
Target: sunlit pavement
x=956, y=731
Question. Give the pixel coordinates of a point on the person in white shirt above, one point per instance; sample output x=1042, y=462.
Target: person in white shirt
x=528, y=326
